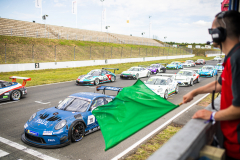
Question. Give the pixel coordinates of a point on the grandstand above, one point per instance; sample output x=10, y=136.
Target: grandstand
x=12, y=27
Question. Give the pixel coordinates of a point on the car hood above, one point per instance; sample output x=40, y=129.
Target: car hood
x=129, y=72
x=180, y=77
x=153, y=87
x=87, y=77
x=50, y=117
x=171, y=65
x=152, y=68
x=206, y=70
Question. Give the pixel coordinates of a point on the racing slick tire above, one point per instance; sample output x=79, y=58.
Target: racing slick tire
x=191, y=82
x=113, y=78
x=166, y=94
x=15, y=95
x=176, y=89
x=198, y=80
x=137, y=76
x=96, y=81
x=77, y=131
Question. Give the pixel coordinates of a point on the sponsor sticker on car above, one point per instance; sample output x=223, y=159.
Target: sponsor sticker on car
x=47, y=133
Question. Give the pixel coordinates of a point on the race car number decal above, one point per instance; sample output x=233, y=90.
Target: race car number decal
x=91, y=119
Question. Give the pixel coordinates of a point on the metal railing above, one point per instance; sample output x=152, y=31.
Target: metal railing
x=27, y=53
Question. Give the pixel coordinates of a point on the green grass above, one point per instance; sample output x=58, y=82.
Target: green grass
x=145, y=150
x=49, y=76
x=207, y=100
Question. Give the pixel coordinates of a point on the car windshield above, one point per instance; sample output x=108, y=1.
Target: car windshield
x=174, y=63
x=94, y=73
x=156, y=81
x=133, y=69
x=154, y=65
x=207, y=67
x=74, y=104
x=185, y=73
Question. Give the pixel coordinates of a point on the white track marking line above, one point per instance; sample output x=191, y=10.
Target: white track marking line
x=49, y=84
x=154, y=131
x=9, y=102
x=3, y=153
x=42, y=102
x=25, y=149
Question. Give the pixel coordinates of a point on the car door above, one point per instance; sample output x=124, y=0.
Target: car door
x=91, y=120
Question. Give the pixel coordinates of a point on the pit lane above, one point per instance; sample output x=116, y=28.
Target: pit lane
x=13, y=116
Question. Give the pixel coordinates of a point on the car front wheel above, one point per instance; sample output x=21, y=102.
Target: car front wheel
x=96, y=82
x=166, y=94
x=113, y=78
x=176, y=89
x=191, y=82
x=77, y=131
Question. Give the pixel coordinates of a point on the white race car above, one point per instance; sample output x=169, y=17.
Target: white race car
x=163, y=85
x=187, y=77
x=217, y=58
x=135, y=73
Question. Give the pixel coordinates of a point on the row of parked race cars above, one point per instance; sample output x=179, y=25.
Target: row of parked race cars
x=72, y=118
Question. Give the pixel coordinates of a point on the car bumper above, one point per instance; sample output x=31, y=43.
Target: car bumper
x=41, y=145
x=171, y=68
x=205, y=75
x=182, y=83
x=127, y=76
x=84, y=82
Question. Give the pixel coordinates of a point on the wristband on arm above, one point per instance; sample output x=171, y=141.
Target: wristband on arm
x=212, y=119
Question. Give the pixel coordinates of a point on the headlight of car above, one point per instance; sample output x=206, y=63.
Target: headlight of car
x=33, y=116
x=61, y=124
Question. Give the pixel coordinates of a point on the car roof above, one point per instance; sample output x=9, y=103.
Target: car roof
x=88, y=95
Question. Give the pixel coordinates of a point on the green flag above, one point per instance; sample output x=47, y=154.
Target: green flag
x=132, y=109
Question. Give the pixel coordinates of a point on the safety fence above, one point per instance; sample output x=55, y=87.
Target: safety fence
x=25, y=53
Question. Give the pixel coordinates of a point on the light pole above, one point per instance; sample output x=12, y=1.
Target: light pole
x=102, y=14
x=142, y=36
x=44, y=17
x=149, y=25
x=165, y=39
x=107, y=31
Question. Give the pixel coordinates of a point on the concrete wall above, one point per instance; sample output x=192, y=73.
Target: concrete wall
x=70, y=64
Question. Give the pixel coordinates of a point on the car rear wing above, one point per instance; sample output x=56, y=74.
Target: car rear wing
x=25, y=79
x=111, y=69
x=110, y=88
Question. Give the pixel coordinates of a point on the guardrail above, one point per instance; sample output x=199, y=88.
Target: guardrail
x=187, y=143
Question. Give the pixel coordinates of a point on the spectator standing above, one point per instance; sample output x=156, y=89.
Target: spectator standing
x=225, y=33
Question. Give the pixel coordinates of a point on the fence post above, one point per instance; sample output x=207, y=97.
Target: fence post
x=11, y=31
x=168, y=51
x=104, y=53
x=131, y=52
x=58, y=35
x=36, y=34
x=90, y=51
x=121, y=52
x=48, y=34
x=139, y=52
x=24, y=33
x=146, y=52
x=111, y=52
x=67, y=36
x=176, y=51
x=5, y=52
x=32, y=52
x=55, y=53
x=74, y=53
x=172, y=51
x=152, y=52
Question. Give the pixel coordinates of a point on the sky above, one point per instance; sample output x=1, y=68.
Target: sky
x=176, y=20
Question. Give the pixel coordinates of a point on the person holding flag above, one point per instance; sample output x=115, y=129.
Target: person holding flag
x=225, y=33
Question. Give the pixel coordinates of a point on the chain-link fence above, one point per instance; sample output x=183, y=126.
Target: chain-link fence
x=25, y=53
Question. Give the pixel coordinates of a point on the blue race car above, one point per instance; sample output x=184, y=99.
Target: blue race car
x=97, y=76
x=175, y=65
x=219, y=67
x=68, y=122
x=207, y=71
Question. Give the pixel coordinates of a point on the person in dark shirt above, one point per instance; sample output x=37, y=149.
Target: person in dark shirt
x=225, y=33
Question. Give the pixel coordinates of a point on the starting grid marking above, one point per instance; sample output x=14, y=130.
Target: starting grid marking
x=3, y=153
x=42, y=102
x=24, y=149
x=9, y=102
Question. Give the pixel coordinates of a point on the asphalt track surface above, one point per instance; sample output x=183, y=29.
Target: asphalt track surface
x=14, y=114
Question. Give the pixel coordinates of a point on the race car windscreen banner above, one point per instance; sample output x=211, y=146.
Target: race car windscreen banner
x=133, y=108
